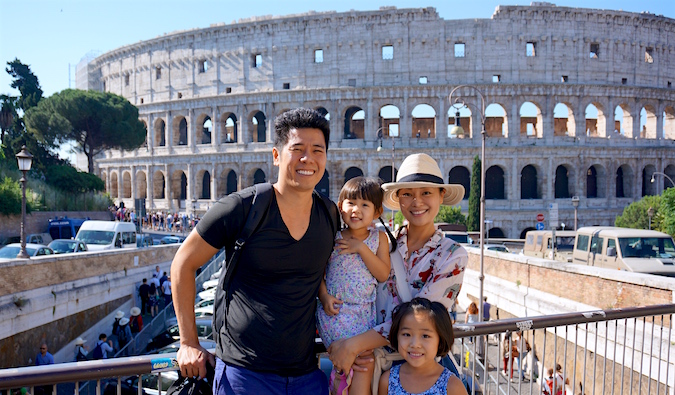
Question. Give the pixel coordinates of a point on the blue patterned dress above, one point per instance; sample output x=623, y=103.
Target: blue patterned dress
x=440, y=387
x=348, y=279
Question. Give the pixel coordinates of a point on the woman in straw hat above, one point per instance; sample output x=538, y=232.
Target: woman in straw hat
x=433, y=266
x=80, y=352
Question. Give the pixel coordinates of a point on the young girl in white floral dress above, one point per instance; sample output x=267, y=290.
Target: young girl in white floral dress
x=359, y=261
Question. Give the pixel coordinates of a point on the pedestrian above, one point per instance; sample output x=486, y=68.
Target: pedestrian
x=523, y=349
x=144, y=293
x=432, y=265
x=453, y=312
x=359, y=261
x=486, y=309
x=154, y=295
x=136, y=320
x=124, y=334
x=102, y=348
x=509, y=353
x=118, y=316
x=267, y=341
x=80, y=351
x=44, y=357
x=166, y=289
x=471, y=316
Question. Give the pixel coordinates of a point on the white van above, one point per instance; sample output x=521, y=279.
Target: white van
x=106, y=235
x=538, y=244
x=634, y=250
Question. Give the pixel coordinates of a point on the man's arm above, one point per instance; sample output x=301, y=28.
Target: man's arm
x=192, y=254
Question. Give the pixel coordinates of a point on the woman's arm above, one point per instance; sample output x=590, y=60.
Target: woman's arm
x=344, y=352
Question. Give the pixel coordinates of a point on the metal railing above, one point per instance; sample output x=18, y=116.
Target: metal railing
x=619, y=351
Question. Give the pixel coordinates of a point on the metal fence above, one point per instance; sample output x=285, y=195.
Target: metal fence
x=619, y=351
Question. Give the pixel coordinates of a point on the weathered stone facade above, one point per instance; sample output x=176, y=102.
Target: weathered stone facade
x=208, y=97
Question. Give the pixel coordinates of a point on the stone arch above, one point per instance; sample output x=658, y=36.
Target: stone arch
x=529, y=184
x=126, y=185
x=229, y=127
x=259, y=177
x=648, y=187
x=204, y=129
x=179, y=185
x=323, y=187
x=648, y=122
x=385, y=174
x=496, y=121
x=114, y=186
x=524, y=232
x=596, y=120
x=203, y=184
x=462, y=176
x=531, y=120
x=494, y=183
x=669, y=123
x=160, y=133
x=596, y=181
x=141, y=185
x=147, y=135
x=563, y=120
x=496, y=233
x=563, y=188
x=390, y=120
x=353, y=172
x=231, y=183
x=158, y=185
x=423, y=121
x=180, y=130
x=354, y=122
x=257, y=125
x=670, y=172
x=464, y=114
x=324, y=112
x=624, y=181
x=623, y=120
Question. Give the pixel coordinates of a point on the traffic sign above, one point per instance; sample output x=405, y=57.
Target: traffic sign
x=540, y=217
x=540, y=226
x=553, y=213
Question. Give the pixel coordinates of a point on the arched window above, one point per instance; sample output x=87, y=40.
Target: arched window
x=385, y=174
x=561, y=183
x=494, y=183
x=591, y=183
x=460, y=175
x=528, y=183
x=206, y=186
x=323, y=187
x=231, y=182
x=354, y=123
x=259, y=177
x=352, y=172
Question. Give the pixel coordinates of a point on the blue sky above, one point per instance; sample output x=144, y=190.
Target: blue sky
x=53, y=35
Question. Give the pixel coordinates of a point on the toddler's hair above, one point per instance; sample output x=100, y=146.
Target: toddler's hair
x=438, y=314
x=366, y=188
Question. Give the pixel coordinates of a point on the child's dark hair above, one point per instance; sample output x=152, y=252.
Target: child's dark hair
x=366, y=188
x=438, y=314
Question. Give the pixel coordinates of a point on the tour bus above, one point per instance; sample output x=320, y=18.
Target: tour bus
x=106, y=235
x=64, y=227
x=538, y=244
x=634, y=250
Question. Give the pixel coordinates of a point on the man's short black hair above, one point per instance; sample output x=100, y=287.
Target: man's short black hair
x=299, y=118
x=102, y=336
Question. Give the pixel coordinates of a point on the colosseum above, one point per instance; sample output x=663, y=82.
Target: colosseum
x=579, y=102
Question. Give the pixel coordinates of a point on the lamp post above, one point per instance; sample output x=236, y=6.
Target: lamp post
x=459, y=131
x=25, y=160
x=650, y=214
x=380, y=137
x=575, y=204
x=664, y=176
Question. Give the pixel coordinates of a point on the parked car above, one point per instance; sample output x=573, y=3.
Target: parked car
x=173, y=347
x=204, y=331
x=10, y=251
x=63, y=246
x=204, y=312
x=204, y=303
x=458, y=236
x=496, y=247
x=208, y=284
x=10, y=240
x=39, y=238
x=144, y=240
x=170, y=240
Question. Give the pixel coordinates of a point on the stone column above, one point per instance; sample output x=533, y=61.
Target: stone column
x=370, y=121
x=150, y=133
x=150, y=187
x=191, y=184
x=269, y=122
x=192, y=130
x=168, y=196
x=442, y=122
x=514, y=119
x=659, y=133
x=548, y=119
x=514, y=193
x=168, y=131
x=214, y=182
x=215, y=130
x=133, y=182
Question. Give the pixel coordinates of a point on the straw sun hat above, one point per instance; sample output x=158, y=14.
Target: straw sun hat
x=135, y=311
x=79, y=341
x=119, y=314
x=420, y=171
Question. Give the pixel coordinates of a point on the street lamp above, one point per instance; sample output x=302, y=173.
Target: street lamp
x=25, y=160
x=650, y=214
x=459, y=131
x=575, y=204
x=664, y=176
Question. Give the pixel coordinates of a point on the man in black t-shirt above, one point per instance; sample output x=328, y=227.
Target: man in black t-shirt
x=268, y=345
x=144, y=293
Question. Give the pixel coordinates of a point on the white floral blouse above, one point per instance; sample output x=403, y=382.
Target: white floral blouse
x=435, y=272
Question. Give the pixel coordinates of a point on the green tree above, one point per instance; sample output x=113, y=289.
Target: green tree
x=473, y=219
x=7, y=115
x=96, y=121
x=451, y=215
x=26, y=82
x=667, y=215
x=10, y=197
x=635, y=214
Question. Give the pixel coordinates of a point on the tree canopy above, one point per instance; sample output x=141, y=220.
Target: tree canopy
x=635, y=214
x=96, y=121
x=26, y=82
x=473, y=219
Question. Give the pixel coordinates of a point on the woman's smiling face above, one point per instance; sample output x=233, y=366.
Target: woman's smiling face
x=420, y=205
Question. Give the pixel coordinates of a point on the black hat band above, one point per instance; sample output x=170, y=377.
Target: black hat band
x=421, y=177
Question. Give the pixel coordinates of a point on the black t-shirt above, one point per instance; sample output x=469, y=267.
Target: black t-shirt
x=271, y=321
x=144, y=291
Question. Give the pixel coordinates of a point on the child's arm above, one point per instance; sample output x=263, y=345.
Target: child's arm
x=455, y=386
x=331, y=305
x=383, y=388
x=379, y=265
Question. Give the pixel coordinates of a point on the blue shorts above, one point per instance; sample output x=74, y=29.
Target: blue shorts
x=237, y=381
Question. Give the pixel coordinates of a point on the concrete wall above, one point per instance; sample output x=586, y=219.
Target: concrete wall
x=61, y=297
x=38, y=221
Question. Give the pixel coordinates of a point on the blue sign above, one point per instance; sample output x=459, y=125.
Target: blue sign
x=164, y=364
x=540, y=226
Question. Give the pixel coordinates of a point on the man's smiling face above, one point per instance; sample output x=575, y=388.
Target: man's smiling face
x=302, y=160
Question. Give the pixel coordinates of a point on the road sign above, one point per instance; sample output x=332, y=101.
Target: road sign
x=540, y=226
x=553, y=214
x=540, y=217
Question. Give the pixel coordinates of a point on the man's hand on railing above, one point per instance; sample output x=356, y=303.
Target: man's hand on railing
x=192, y=360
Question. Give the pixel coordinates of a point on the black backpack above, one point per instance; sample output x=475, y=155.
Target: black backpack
x=258, y=204
x=81, y=356
x=97, y=352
